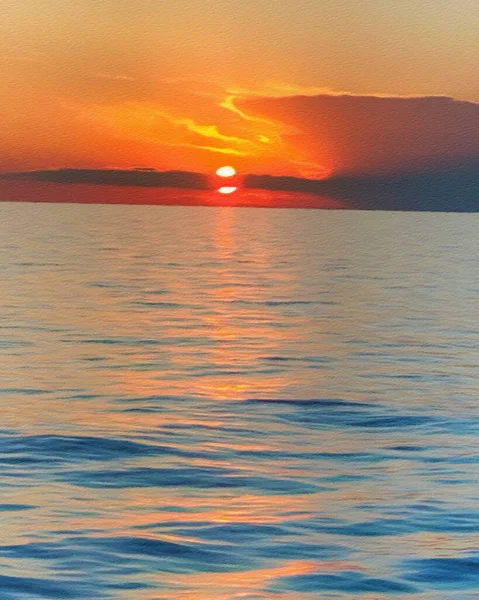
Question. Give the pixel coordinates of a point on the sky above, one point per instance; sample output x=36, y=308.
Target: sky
x=306, y=88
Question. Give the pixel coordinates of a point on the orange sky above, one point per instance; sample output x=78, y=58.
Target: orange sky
x=194, y=85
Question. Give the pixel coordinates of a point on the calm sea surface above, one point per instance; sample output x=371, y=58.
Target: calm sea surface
x=254, y=404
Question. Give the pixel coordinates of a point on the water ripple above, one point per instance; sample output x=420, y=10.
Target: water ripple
x=227, y=404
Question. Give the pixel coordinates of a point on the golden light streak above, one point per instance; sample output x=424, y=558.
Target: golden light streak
x=277, y=130
x=229, y=104
x=153, y=124
x=231, y=151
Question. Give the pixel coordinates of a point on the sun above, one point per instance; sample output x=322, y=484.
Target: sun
x=226, y=172
x=227, y=190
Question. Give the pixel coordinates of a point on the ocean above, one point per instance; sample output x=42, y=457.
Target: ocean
x=204, y=403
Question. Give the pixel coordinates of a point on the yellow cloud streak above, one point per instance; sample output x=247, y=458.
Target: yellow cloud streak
x=230, y=151
x=209, y=131
x=262, y=138
x=153, y=124
x=277, y=131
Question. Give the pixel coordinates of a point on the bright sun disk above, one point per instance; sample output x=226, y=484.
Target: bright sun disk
x=226, y=172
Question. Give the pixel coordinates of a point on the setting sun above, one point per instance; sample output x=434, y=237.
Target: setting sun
x=226, y=172
x=227, y=189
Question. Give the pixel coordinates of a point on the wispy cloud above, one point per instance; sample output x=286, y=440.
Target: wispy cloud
x=229, y=151
x=154, y=124
x=276, y=133
x=277, y=89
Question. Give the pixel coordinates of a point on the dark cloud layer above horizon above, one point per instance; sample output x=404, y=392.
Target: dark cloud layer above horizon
x=141, y=177
x=454, y=190
x=374, y=134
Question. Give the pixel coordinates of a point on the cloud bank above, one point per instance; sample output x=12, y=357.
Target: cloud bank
x=352, y=134
x=139, y=177
x=432, y=190
x=441, y=190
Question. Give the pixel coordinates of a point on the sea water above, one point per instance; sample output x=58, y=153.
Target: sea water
x=228, y=403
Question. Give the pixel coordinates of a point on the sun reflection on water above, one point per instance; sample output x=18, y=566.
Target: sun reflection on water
x=136, y=349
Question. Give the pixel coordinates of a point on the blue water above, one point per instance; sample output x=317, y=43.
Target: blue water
x=220, y=403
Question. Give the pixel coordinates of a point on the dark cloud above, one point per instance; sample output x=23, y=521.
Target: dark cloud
x=447, y=190
x=435, y=189
x=17, y=187
x=374, y=134
x=139, y=177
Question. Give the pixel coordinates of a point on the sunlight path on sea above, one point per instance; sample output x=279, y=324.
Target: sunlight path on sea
x=237, y=404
